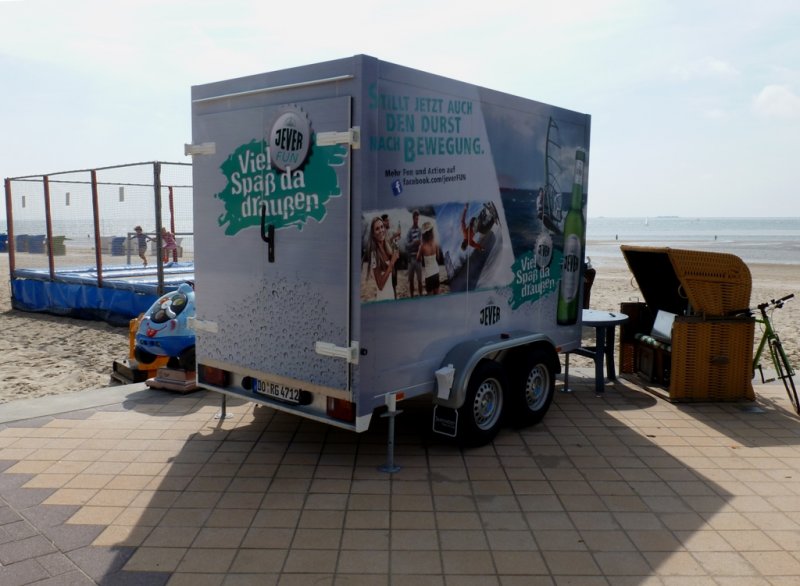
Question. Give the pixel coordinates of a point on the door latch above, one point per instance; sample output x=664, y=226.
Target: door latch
x=268, y=235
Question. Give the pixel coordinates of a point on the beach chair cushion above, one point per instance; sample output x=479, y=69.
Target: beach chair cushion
x=660, y=335
x=654, y=349
x=652, y=342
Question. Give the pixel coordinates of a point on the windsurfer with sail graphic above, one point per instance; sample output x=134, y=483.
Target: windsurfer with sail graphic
x=469, y=231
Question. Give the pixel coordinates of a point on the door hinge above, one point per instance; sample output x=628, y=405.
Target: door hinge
x=350, y=137
x=205, y=148
x=202, y=325
x=349, y=353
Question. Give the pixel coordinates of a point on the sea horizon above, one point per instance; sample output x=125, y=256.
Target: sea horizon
x=769, y=240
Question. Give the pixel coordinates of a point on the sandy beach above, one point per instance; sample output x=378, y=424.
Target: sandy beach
x=42, y=354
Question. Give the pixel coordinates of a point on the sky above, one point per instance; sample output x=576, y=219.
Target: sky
x=695, y=104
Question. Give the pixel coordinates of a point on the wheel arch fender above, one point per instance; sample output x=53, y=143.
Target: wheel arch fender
x=506, y=349
x=513, y=356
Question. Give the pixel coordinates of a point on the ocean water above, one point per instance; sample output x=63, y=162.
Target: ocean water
x=79, y=232
x=754, y=240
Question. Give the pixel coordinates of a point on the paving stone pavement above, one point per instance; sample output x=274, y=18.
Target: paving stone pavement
x=134, y=486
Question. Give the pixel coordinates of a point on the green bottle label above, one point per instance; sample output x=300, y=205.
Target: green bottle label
x=571, y=269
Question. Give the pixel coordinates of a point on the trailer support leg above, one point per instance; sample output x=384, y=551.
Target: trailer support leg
x=565, y=388
x=391, y=413
x=223, y=412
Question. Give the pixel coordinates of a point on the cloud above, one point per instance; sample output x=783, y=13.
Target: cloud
x=777, y=101
x=708, y=67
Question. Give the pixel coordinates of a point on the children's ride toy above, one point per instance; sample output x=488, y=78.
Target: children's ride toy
x=130, y=370
x=164, y=330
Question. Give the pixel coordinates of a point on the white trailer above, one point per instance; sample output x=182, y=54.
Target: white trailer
x=367, y=233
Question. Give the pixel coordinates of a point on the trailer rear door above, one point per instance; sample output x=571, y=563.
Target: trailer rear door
x=277, y=312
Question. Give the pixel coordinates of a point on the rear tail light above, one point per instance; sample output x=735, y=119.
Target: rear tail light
x=213, y=376
x=341, y=409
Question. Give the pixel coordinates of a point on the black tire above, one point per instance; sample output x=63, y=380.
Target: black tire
x=785, y=372
x=143, y=356
x=532, y=390
x=187, y=358
x=481, y=415
x=791, y=390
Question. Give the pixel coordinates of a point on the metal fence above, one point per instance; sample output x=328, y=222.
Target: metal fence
x=86, y=218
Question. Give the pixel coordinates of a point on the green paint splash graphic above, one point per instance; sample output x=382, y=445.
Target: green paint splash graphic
x=289, y=198
x=532, y=282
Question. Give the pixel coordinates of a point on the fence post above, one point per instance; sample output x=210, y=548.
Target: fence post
x=48, y=222
x=98, y=254
x=159, y=242
x=172, y=221
x=10, y=221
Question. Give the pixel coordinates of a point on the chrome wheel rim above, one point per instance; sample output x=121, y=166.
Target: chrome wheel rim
x=536, y=387
x=488, y=404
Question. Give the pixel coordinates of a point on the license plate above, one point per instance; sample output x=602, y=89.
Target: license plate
x=276, y=391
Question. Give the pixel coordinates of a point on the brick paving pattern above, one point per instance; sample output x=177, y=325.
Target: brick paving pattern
x=624, y=489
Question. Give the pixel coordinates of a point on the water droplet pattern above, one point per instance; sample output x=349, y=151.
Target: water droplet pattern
x=274, y=330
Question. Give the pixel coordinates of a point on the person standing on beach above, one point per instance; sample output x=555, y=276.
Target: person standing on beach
x=141, y=240
x=412, y=247
x=381, y=259
x=429, y=254
x=167, y=243
x=392, y=239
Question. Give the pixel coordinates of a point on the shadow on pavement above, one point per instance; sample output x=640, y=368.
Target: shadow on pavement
x=622, y=487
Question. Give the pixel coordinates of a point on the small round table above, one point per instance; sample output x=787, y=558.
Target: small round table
x=604, y=324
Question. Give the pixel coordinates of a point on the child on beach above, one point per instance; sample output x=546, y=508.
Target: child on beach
x=167, y=243
x=141, y=240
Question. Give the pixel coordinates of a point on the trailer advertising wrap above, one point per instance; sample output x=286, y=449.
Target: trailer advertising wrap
x=367, y=232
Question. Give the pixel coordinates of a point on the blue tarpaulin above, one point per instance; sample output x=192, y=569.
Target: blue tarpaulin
x=126, y=292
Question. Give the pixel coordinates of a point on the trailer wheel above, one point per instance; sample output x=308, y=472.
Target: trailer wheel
x=481, y=415
x=533, y=389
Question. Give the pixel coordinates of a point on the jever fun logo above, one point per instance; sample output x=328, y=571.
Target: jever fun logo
x=283, y=175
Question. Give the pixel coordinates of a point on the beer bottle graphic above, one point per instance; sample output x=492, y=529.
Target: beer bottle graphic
x=574, y=229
